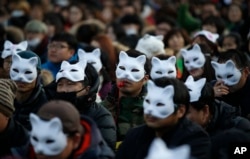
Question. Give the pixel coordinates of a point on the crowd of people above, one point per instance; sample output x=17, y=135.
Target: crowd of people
x=124, y=79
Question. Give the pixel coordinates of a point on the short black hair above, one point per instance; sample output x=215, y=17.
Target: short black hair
x=240, y=58
x=181, y=95
x=66, y=37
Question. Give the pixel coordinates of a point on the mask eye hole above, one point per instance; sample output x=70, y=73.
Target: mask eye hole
x=50, y=141
x=135, y=70
x=8, y=49
x=159, y=104
x=158, y=72
x=187, y=62
x=169, y=72
x=195, y=59
x=35, y=138
x=28, y=72
x=18, y=50
x=229, y=76
x=122, y=67
x=147, y=101
x=73, y=70
x=218, y=76
x=92, y=62
x=15, y=70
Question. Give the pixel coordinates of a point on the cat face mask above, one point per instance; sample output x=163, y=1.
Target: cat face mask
x=195, y=87
x=94, y=58
x=11, y=49
x=130, y=68
x=47, y=137
x=227, y=72
x=193, y=58
x=23, y=70
x=73, y=72
x=159, y=150
x=163, y=68
x=159, y=101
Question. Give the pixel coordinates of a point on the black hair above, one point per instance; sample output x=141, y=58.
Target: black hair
x=181, y=95
x=86, y=32
x=240, y=58
x=216, y=21
x=135, y=53
x=66, y=37
x=206, y=98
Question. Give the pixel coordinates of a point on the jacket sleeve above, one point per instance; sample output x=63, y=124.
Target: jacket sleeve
x=106, y=124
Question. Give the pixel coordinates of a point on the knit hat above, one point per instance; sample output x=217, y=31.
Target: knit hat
x=7, y=96
x=65, y=111
x=30, y=54
x=36, y=26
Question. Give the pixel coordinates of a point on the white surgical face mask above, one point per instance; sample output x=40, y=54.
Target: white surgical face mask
x=47, y=137
x=10, y=48
x=163, y=68
x=72, y=72
x=194, y=58
x=94, y=58
x=130, y=68
x=34, y=42
x=131, y=31
x=227, y=72
x=159, y=101
x=195, y=87
x=23, y=70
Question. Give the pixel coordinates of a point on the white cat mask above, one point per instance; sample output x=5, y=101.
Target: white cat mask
x=11, y=49
x=93, y=58
x=47, y=137
x=23, y=70
x=73, y=72
x=227, y=72
x=163, y=68
x=210, y=36
x=193, y=58
x=130, y=68
x=159, y=150
x=195, y=87
x=151, y=45
x=159, y=101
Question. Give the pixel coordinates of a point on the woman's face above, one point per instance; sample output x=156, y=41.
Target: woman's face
x=176, y=42
x=229, y=43
x=234, y=13
x=75, y=14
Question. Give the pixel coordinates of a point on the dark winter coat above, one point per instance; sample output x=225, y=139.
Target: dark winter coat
x=13, y=137
x=138, y=140
x=32, y=105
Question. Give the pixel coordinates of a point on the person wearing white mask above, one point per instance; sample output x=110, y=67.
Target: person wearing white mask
x=36, y=35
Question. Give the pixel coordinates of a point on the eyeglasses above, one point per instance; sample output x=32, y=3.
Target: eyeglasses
x=57, y=46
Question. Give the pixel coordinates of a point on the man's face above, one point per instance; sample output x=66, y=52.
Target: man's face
x=65, y=85
x=59, y=51
x=162, y=29
x=197, y=116
x=6, y=65
x=25, y=87
x=158, y=123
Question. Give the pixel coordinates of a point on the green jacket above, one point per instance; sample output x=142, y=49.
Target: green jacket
x=127, y=111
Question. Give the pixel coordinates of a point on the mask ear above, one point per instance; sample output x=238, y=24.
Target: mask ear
x=169, y=90
x=24, y=44
x=33, y=61
x=201, y=82
x=141, y=59
x=16, y=57
x=155, y=61
x=172, y=60
x=65, y=64
x=123, y=55
x=183, y=52
x=230, y=64
x=215, y=65
x=189, y=79
x=81, y=54
x=55, y=124
x=34, y=119
x=97, y=53
x=146, y=36
x=196, y=48
x=7, y=44
x=150, y=85
x=159, y=37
